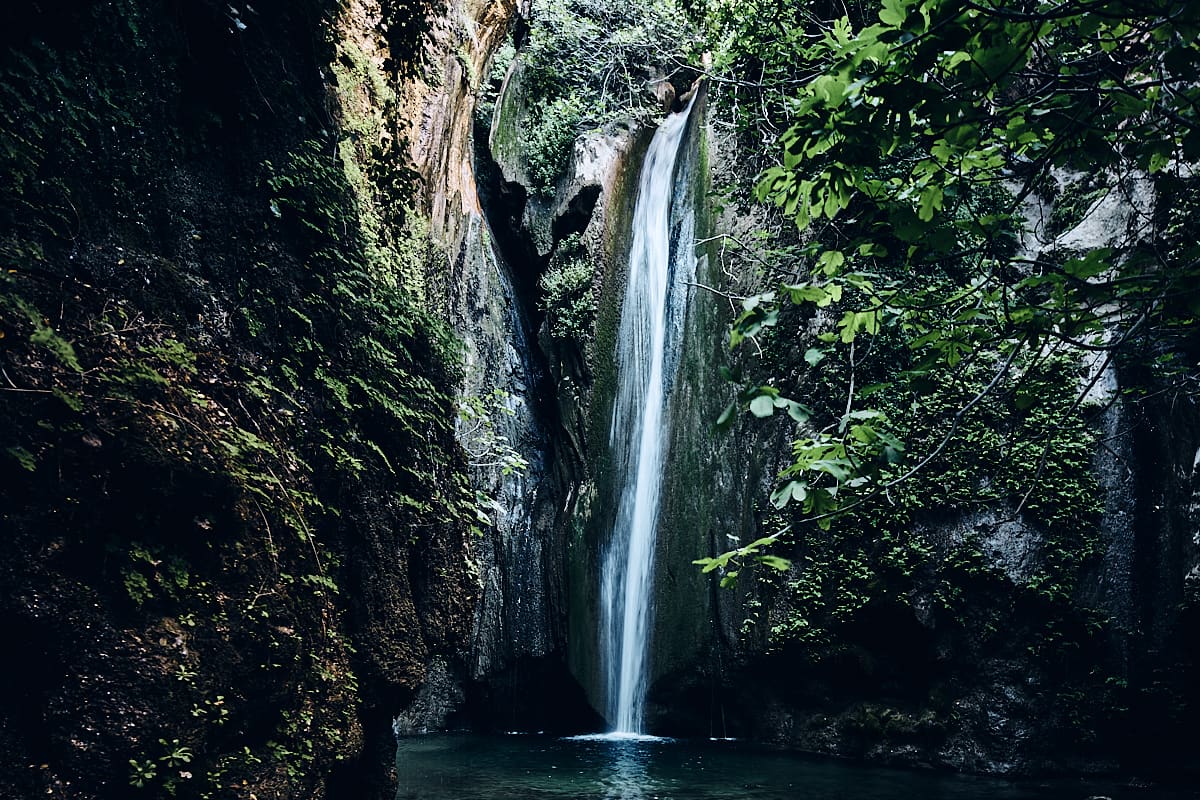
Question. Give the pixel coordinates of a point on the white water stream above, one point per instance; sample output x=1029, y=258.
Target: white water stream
x=647, y=354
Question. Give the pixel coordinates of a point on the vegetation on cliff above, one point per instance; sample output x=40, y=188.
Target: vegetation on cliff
x=910, y=145
x=236, y=511
x=948, y=356
x=586, y=64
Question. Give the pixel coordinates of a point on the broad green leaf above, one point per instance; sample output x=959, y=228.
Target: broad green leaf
x=798, y=412
x=762, y=406
x=831, y=259
x=931, y=202
x=775, y=562
x=893, y=13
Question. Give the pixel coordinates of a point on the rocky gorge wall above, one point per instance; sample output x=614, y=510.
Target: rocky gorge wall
x=239, y=526
x=887, y=639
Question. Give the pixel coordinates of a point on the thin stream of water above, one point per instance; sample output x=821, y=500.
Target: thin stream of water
x=646, y=354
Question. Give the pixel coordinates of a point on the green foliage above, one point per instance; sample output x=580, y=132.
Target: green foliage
x=43, y=334
x=23, y=457
x=1009, y=455
x=753, y=550
x=149, y=572
x=911, y=137
x=756, y=43
x=566, y=292
x=376, y=376
x=550, y=140
x=214, y=709
x=173, y=354
x=486, y=448
x=600, y=51
x=917, y=409
x=142, y=772
x=835, y=576
x=502, y=60
x=604, y=50
x=136, y=375
x=175, y=754
x=891, y=130
x=396, y=241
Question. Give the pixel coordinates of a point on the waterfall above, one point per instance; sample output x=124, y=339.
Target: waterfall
x=648, y=345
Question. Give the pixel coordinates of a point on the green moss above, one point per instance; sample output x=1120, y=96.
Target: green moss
x=396, y=237
x=614, y=269
x=1024, y=446
x=505, y=142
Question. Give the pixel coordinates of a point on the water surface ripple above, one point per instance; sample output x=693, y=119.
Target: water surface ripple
x=526, y=767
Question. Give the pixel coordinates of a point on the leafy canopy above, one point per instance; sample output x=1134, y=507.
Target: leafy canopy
x=914, y=139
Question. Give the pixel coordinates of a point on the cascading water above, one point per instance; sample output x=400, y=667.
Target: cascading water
x=647, y=354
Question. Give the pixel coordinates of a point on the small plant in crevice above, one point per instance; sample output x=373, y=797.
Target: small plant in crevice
x=566, y=293
x=141, y=772
x=166, y=769
x=487, y=449
x=150, y=572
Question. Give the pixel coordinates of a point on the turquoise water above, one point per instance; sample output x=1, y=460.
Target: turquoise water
x=529, y=767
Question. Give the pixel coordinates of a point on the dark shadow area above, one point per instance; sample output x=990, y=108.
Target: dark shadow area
x=578, y=213
x=532, y=695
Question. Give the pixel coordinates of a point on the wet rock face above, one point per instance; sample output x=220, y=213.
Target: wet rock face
x=187, y=562
x=516, y=558
x=435, y=112
x=533, y=391
x=438, y=700
x=1011, y=545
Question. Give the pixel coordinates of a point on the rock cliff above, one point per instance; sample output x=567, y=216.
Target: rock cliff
x=239, y=524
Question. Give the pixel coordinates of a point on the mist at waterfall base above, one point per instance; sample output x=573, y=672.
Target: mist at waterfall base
x=520, y=767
